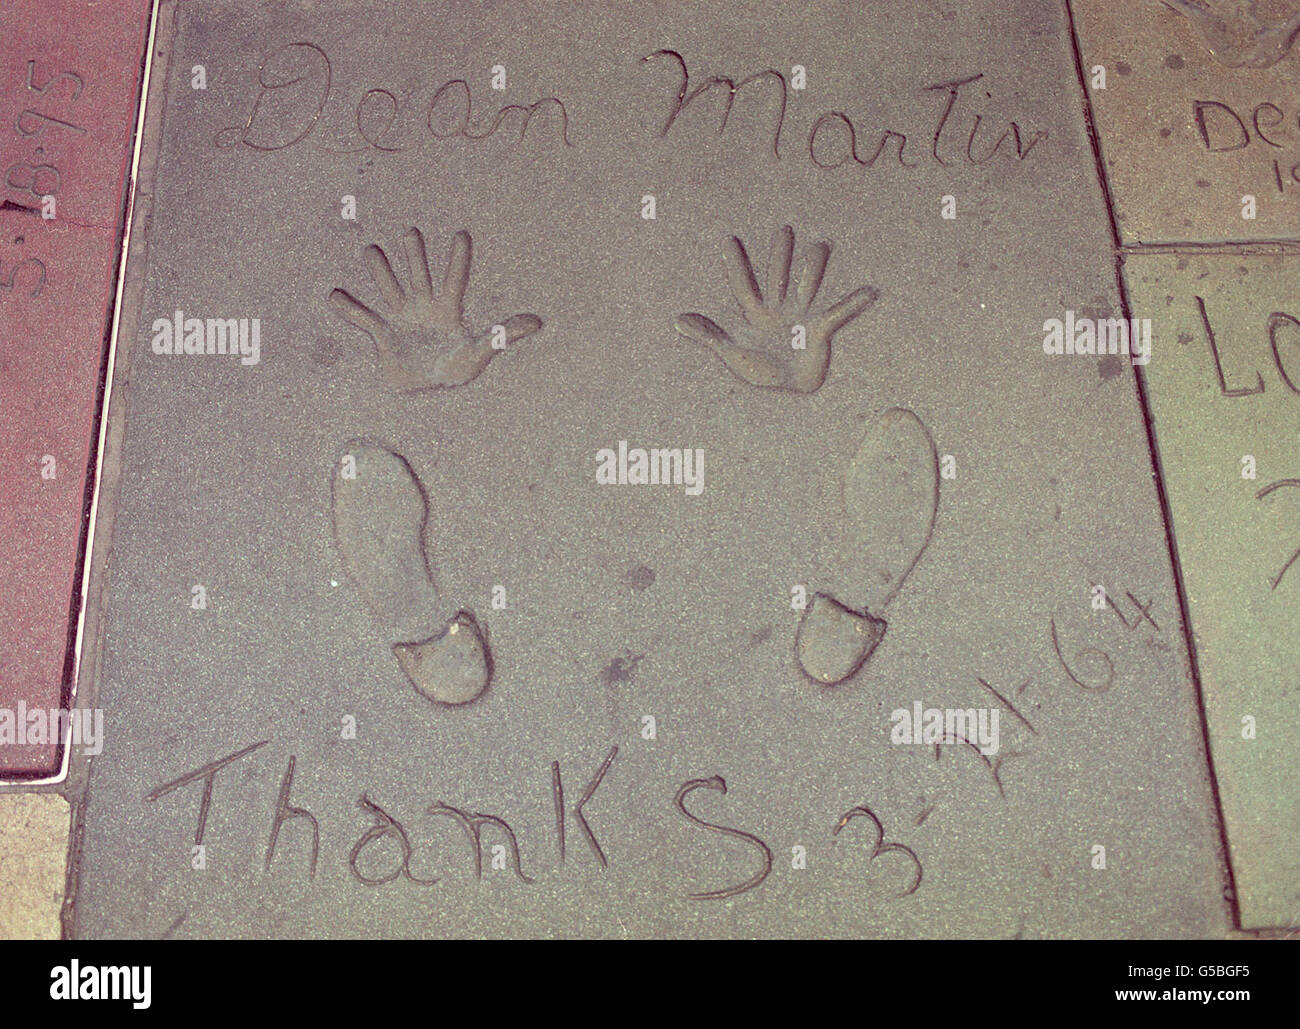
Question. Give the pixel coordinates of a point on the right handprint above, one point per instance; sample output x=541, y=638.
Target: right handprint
x=782, y=345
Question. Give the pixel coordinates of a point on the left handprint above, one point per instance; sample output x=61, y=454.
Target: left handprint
x=420, y=333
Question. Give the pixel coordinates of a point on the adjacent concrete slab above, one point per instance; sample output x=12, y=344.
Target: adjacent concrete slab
x=1225, y=392
x=663, y=765
x=1187, y=135
x=33, y=849
x=69, y=81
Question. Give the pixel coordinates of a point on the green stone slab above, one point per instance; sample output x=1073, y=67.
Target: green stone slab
x=1224, y=381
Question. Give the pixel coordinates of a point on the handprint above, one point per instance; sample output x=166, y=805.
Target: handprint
x=782, y=345
x=420, y=336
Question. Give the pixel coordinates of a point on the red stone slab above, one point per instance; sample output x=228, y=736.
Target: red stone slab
x=69, y=88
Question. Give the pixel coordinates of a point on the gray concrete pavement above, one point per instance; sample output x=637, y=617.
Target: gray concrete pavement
x=643, y=672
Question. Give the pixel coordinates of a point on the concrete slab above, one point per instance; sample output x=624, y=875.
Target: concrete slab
x=1225, y=393
x=68, y=87
x=1188, y=135
x=663, y=764
x=33, y=849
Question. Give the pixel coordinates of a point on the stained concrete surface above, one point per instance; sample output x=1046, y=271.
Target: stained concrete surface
x=69, y=84
x=33, y=847
x=226, y=471
x=1224, y=397
x=1186, y=135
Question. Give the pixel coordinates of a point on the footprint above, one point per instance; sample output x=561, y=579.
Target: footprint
x=380, y=514
x=764, y=351
x=891, y=500
x=453, y=667
x=834, y=641
x=420, y=333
